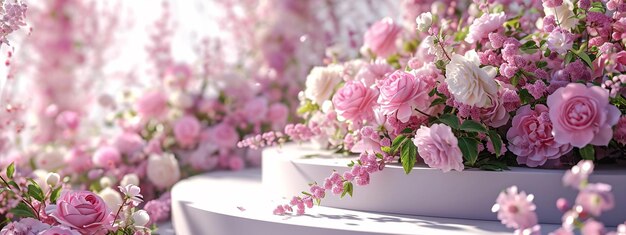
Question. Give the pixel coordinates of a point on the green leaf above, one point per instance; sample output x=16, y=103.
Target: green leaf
x=55, y=194
x=408, y=156
x=386, y=149
x=438, y=101
x=348, y=188
x=525, y=96
x=15, y=185
x=407, y=131
x=35, y=192
x=306, y=193
x=515, y=79
x=472, y=126
x=450, y=120
x=496, y=140
x=585, y=58
x=541, y=64
x=351, y=164
x=22, y=210
x=569, y=57
x=587, y=152
x=11, y=170
x=469, y=148
x=397, y=143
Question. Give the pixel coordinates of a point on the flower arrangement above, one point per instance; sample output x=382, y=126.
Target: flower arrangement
x=516, y=210
x=537, y=85
x=51, y=207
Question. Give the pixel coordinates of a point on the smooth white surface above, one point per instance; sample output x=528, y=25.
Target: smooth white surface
x=235, y=203
x=429, y=192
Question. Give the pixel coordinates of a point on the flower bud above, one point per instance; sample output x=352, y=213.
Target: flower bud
x=141, y=218
x=129, y=179
x=53, y=179
x=424, y=21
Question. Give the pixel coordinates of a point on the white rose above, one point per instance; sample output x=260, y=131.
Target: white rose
x=141, y=218
x=563, y=14
x=163, y=170
x=468, y=83
x=321, y=82
x=40, y=176
x=560, y=41
x=129, y=179
x=112, y=198
x=424, y=21
x=50, y=159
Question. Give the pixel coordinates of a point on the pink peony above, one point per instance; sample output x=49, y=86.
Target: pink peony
x=481, y=27
x=620, y=131
x=381, y=37
x=107, y=157
x=186, y=131
x=596, y=198
x=83, y=211
x=129, y=143
x=370, y=74
x=152, y=104
x=256, y=110
x=516, y=209
x=400, y=93
x=530, y=137
x=224, y=135
x=582, y=115
x=439, y=148
x=355, y=102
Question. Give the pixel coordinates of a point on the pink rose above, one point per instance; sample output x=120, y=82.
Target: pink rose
x=355, y=102
x=530, y=137
x=186, y=131
x=400, y=93
x=59, y=230
x=381, y=37
x=439, y=148
x=278, y=114
x=224, y=135
x=255, y=110
x=107, y=157
x=83, y=211
x=582, y=115
x=152, y=104
x=496, y=115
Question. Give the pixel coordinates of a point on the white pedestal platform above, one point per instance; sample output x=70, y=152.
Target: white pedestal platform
x=469, y=194
x=234, y=203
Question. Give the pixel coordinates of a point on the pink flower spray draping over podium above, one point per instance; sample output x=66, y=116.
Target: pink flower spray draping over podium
x=472, y=85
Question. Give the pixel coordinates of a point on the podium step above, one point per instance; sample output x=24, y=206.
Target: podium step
x=233, y=203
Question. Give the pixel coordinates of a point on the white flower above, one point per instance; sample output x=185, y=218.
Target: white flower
x=435, y=48
x=560, y=41
x=112, y=198
x=563, y=14
x=163, y=170
x=129, y=179
x=53, y=179
x=51, y=159
x=438, y=8
x=468, y=83
x=321, y=82
x=424, y=21
x=181, y=100
x=141, y=218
